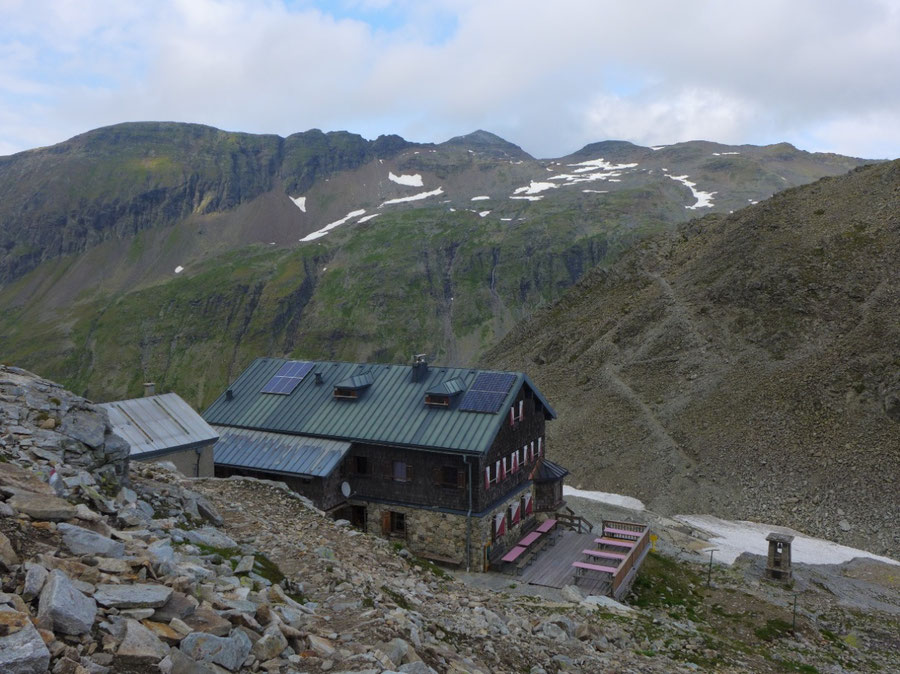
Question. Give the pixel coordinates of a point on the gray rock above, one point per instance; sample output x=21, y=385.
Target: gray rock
x=572, y=593
x=141, y=645
x=245, y=565
x=229, y=652
x=69, y=611
x=24, y=652
x=418, y=667
x=210, y=537
x=396, y=650
x=35, y=577
x=844, y=525
x=178, y=606
x=6, y=511
x=270, y=645
x=8, y=556
x=554, y=631
x=85, y=425
x=43, y=507
x=82, y=541
x=137, y=595
x=182, y=664
x=323, y=647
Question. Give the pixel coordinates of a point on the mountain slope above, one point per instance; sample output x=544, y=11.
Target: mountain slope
x=147, y=251
x=744, y=364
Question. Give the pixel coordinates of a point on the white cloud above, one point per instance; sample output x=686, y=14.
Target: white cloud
x=547, y=76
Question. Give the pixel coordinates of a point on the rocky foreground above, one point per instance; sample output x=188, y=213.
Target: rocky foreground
x=111, y=570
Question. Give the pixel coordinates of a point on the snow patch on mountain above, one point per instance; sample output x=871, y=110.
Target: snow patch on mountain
x=408, y=180
x=299, y=202
x=414, y=197
x=484, y=213
x=179, y=269
x=600, y=163
x=704, y=199
x=605, y=497
x=529, y=198
x=535, y=187
x=337, y=223
x=730, y=539
x=480, y=198
x=367, y=218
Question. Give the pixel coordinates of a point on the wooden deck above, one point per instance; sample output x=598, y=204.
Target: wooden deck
x=552, y=567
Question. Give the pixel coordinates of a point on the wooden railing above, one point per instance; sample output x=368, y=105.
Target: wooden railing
x=628, y=567
x=574, y=522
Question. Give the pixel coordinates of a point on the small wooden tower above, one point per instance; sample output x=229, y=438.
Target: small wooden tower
x=779, y=563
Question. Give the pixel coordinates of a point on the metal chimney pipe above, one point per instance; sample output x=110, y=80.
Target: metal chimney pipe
x=149, y=389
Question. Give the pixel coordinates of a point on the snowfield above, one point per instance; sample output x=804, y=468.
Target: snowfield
x=704, y=199
x=179, y=269
x=414, y=197
x=730, y=539
x=337, y=223
x=604, y=497
x=299, y=202
x=480, y=198
x=408, y=180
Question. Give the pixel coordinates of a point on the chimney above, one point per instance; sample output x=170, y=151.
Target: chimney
x=149, y=389
x=420, y=367
x=318, y=378
x=229, y=394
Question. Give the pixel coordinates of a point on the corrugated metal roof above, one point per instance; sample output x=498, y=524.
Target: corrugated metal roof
x=549, y=471
x=391, y=412
x=356, y=382
x=449, y=387
x=277, y=452
x=158, y=424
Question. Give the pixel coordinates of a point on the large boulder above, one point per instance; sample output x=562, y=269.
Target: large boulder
x=43, y=507
x=140, y=645
x=229, y=652
x=67, y=610
x=82, y=541
x=137, y=595
x=23, y=651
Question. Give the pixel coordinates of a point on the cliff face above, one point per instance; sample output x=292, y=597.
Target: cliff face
x=117, y=181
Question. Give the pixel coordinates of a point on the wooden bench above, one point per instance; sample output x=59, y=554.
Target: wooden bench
x=622, y=532
x=550, y=528
x=529, y=539
x=615, y=542
x=517, y=558
x=582, y=567
x=604, y=555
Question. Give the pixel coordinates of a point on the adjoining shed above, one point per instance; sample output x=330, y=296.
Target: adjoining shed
x=165, y=428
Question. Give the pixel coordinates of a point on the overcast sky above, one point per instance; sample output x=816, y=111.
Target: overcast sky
x=549, y=76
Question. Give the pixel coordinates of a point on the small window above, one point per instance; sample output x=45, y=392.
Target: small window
x=360, y=465
x=437, y=400
x=345, y=393
x=401, y=471
x=450, y=476
x=398, y=523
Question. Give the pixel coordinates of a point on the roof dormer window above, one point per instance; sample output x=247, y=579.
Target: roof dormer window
x=351, y=387
x=442, y=394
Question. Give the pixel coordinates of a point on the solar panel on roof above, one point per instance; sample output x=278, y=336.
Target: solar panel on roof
x=496, y=382
x=288, y=376
x=482, y=401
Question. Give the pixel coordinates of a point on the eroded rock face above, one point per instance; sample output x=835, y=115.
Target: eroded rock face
x=61, y=427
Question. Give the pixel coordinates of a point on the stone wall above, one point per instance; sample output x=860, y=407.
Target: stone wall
x=429, y=533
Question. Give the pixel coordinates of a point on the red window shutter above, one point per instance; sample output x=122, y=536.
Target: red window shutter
x=487, y=478
x=460, y=479
x=386, y=522
x=521, y=410
x=512, y=416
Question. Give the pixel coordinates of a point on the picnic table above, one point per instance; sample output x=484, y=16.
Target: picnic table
x=547, y=526
x=604, y=555
x=621, y=532
x=615, y=542
x=517, y=557
x=530, y=539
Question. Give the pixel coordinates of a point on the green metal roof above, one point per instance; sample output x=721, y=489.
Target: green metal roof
x=392, y=411
x=450, y=387
x=356, y=382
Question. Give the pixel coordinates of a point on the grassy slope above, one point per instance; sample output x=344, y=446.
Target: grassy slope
x=746, y=365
